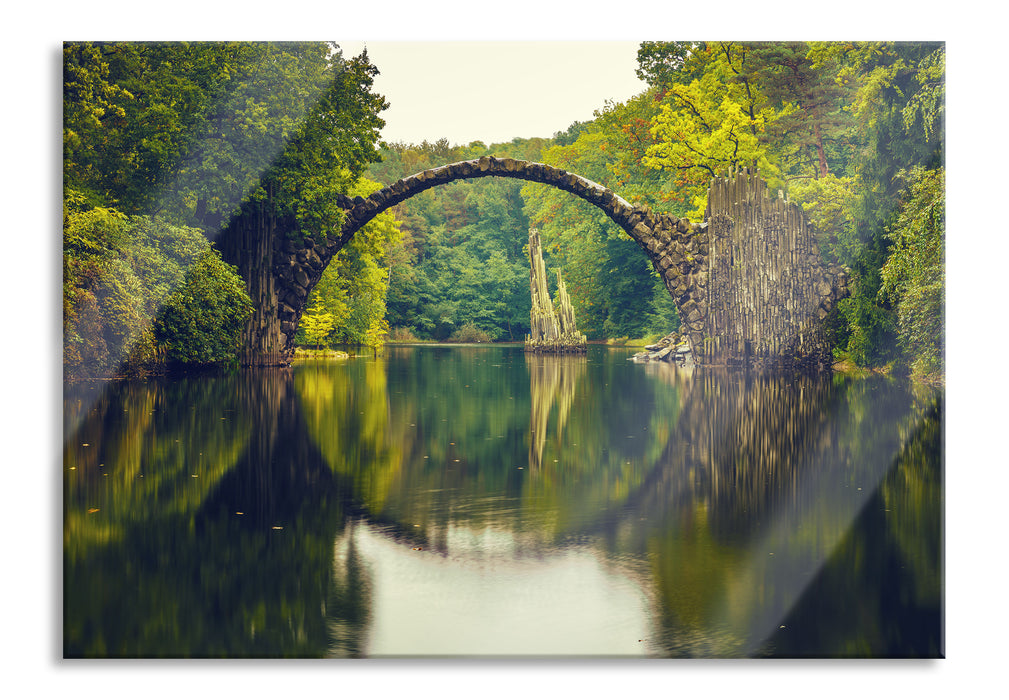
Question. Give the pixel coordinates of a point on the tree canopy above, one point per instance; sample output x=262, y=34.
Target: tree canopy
x=193, y=135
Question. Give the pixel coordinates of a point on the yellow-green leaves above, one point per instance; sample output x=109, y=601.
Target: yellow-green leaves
x=317, y=324
x=712, y=124
x=914, y=276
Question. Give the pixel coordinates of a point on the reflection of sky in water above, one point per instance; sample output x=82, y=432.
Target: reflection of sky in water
x=481, y=595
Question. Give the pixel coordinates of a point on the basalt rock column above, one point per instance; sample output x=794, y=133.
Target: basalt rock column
x=765, y=291
x=550, y=331
x=253, y=242
x=542, y=319
x=570, y=336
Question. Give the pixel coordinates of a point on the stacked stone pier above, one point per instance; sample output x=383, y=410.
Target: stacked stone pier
x=747, y=282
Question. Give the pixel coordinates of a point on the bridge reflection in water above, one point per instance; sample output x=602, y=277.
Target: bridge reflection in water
x=478, y=501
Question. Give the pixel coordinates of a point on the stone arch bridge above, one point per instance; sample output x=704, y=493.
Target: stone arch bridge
x=748, y=282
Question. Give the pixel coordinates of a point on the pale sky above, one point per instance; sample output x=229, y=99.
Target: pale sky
x=493, y=91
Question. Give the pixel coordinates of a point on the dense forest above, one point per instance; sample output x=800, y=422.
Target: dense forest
x=162, y=142
x=165, y=145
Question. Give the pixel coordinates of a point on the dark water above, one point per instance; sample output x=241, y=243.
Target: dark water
x=476, y=501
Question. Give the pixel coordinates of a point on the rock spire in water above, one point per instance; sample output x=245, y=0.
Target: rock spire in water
x=551, y=329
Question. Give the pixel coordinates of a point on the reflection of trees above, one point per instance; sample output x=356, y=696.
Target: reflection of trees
x=762, y=479
x=594, y=437
x=441, y=439
x=155, y=448
x=417, y=429
x=695, y=477
x=703, y=475
x=432, y=438
x=346, y=409
x=893, y=606
x=237, y=563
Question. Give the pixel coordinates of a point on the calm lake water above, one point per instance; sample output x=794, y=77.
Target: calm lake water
x=447, y=501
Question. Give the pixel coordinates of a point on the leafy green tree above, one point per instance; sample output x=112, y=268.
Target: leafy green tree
x=202, y=321
x=317, y=325
x=662, y=63
x=717, y=121
x=914, y=276
x=118, y=271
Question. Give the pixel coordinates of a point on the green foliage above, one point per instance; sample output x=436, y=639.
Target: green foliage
x=119, y=271
x=202, y=321
x=714, y=118
x=191, y=129
x=834, y=123
x=214, y=135
x=116, y=271
x=461, y=256
x=354, y=287
x=661, y=63
x=812, y=133
x=328, y=151
x=896, y=106
x=831, y=206
x=927, y=106
x=914, y=276
x=317, y=324
x=470, y=333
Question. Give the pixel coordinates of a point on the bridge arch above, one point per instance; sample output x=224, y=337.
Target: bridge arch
x=361, y=210
x=722, y=323
x=295, y=267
